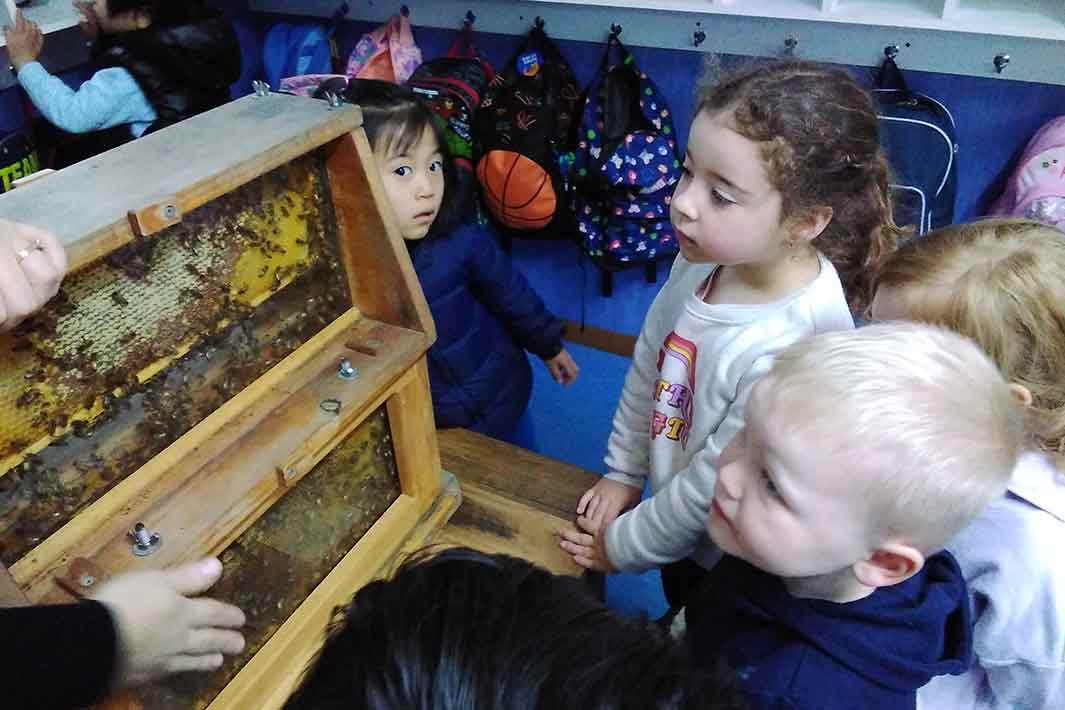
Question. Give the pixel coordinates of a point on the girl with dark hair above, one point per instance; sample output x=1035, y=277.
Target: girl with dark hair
x=486, y=314
x=782, y=214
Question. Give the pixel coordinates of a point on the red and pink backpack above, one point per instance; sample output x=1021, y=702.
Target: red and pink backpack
x=1036, y=189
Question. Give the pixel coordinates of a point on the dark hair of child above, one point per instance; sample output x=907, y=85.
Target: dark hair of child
x=395, y=115
x=462, y=630
x=821, y=146
x=164, y=13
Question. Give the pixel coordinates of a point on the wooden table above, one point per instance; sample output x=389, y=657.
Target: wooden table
x=514, y=501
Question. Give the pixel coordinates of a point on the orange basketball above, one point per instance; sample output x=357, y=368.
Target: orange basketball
x=516, y=190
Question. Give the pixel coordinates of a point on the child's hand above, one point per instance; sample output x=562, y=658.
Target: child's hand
x=603, y=502
x=161, y=630
x=562, y=368
x=589, y=551
x=24, y=41
x=89, y=24
x=32, y=265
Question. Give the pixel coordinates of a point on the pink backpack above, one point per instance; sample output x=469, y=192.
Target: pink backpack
x=389, y=53
x=1036, y=189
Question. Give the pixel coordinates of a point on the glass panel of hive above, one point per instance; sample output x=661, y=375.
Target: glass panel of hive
x=277, y=562
x=144, y=344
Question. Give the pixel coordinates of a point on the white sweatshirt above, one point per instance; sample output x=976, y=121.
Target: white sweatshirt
x=1011, y=558
x=684, y=399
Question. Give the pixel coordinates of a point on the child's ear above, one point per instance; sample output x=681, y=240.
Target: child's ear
x=888, y=565
x=807, y=225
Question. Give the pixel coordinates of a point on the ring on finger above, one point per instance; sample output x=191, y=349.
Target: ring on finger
x=25, y=252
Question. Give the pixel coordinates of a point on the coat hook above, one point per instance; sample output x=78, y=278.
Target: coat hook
x=1001, y=60
x=615, y=30
x=790, y=43
x=698, y=37
x=539, y=22
x=470, y=18
x=891, y=51
x=404, y=10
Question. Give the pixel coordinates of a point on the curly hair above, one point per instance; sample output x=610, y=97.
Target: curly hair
x=821, y=145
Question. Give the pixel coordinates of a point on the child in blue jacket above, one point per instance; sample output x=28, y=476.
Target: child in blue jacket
x=486, y=313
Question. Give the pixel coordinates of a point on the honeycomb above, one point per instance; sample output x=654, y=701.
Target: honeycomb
x=140, y=346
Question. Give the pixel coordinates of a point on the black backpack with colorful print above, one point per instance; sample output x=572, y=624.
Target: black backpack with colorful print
x=524, y=124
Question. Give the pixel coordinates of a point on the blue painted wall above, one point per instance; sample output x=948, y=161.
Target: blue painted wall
x=995, y=120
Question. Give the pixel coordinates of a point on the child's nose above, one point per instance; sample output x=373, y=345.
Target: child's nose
x=423, y=186
x=682, y=201
x=730, y=480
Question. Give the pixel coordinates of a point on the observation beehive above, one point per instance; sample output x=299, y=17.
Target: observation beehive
x=234, y=366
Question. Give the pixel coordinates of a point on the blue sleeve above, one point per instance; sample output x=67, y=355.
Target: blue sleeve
x=110, y=98
x=506, y=293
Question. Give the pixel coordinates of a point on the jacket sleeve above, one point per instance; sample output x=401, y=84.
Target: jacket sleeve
x=110, y=98
x=59, y=656
x=667, y=526
x=509, y=297
x=627, y=458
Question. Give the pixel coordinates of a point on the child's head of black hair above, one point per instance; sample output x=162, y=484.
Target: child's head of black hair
x=162, y=13
x=462, y=630
x=394, y=120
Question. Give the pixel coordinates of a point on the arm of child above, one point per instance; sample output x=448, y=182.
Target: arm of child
x=110, y=98
x=627, y=456
x=1026, y=685
x=667, y=527
x=510, y=298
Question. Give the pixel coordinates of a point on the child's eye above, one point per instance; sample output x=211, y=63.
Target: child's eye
x=720, y=198
x=403, y=170
x=770, y=487
x=436, y=166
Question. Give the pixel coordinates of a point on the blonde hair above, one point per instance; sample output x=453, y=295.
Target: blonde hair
x=930, y=422
x=1000, y=282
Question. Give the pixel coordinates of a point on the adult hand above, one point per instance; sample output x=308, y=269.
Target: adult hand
x=32, y=265
x=161, y=630
x=563, y=368
x=24, y=41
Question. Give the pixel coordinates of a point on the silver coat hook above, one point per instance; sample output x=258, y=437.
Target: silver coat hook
x=790, y=43
x=1001, y=61
x=698, y=37
x=891, y=51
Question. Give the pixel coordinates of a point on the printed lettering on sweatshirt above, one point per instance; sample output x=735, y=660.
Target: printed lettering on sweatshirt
x=674, y=390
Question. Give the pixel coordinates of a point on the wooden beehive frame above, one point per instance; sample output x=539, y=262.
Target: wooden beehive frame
x=216, y=480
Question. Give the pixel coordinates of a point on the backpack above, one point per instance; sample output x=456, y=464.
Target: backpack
x=295, y=50
x=1036, y=188
x=388, y=53
x=625, y=167
x=524, y=124
x=452, y=88
x=919, y=138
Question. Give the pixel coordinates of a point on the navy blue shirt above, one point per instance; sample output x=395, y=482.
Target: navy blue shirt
x=486, y=315
x=811, y=654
